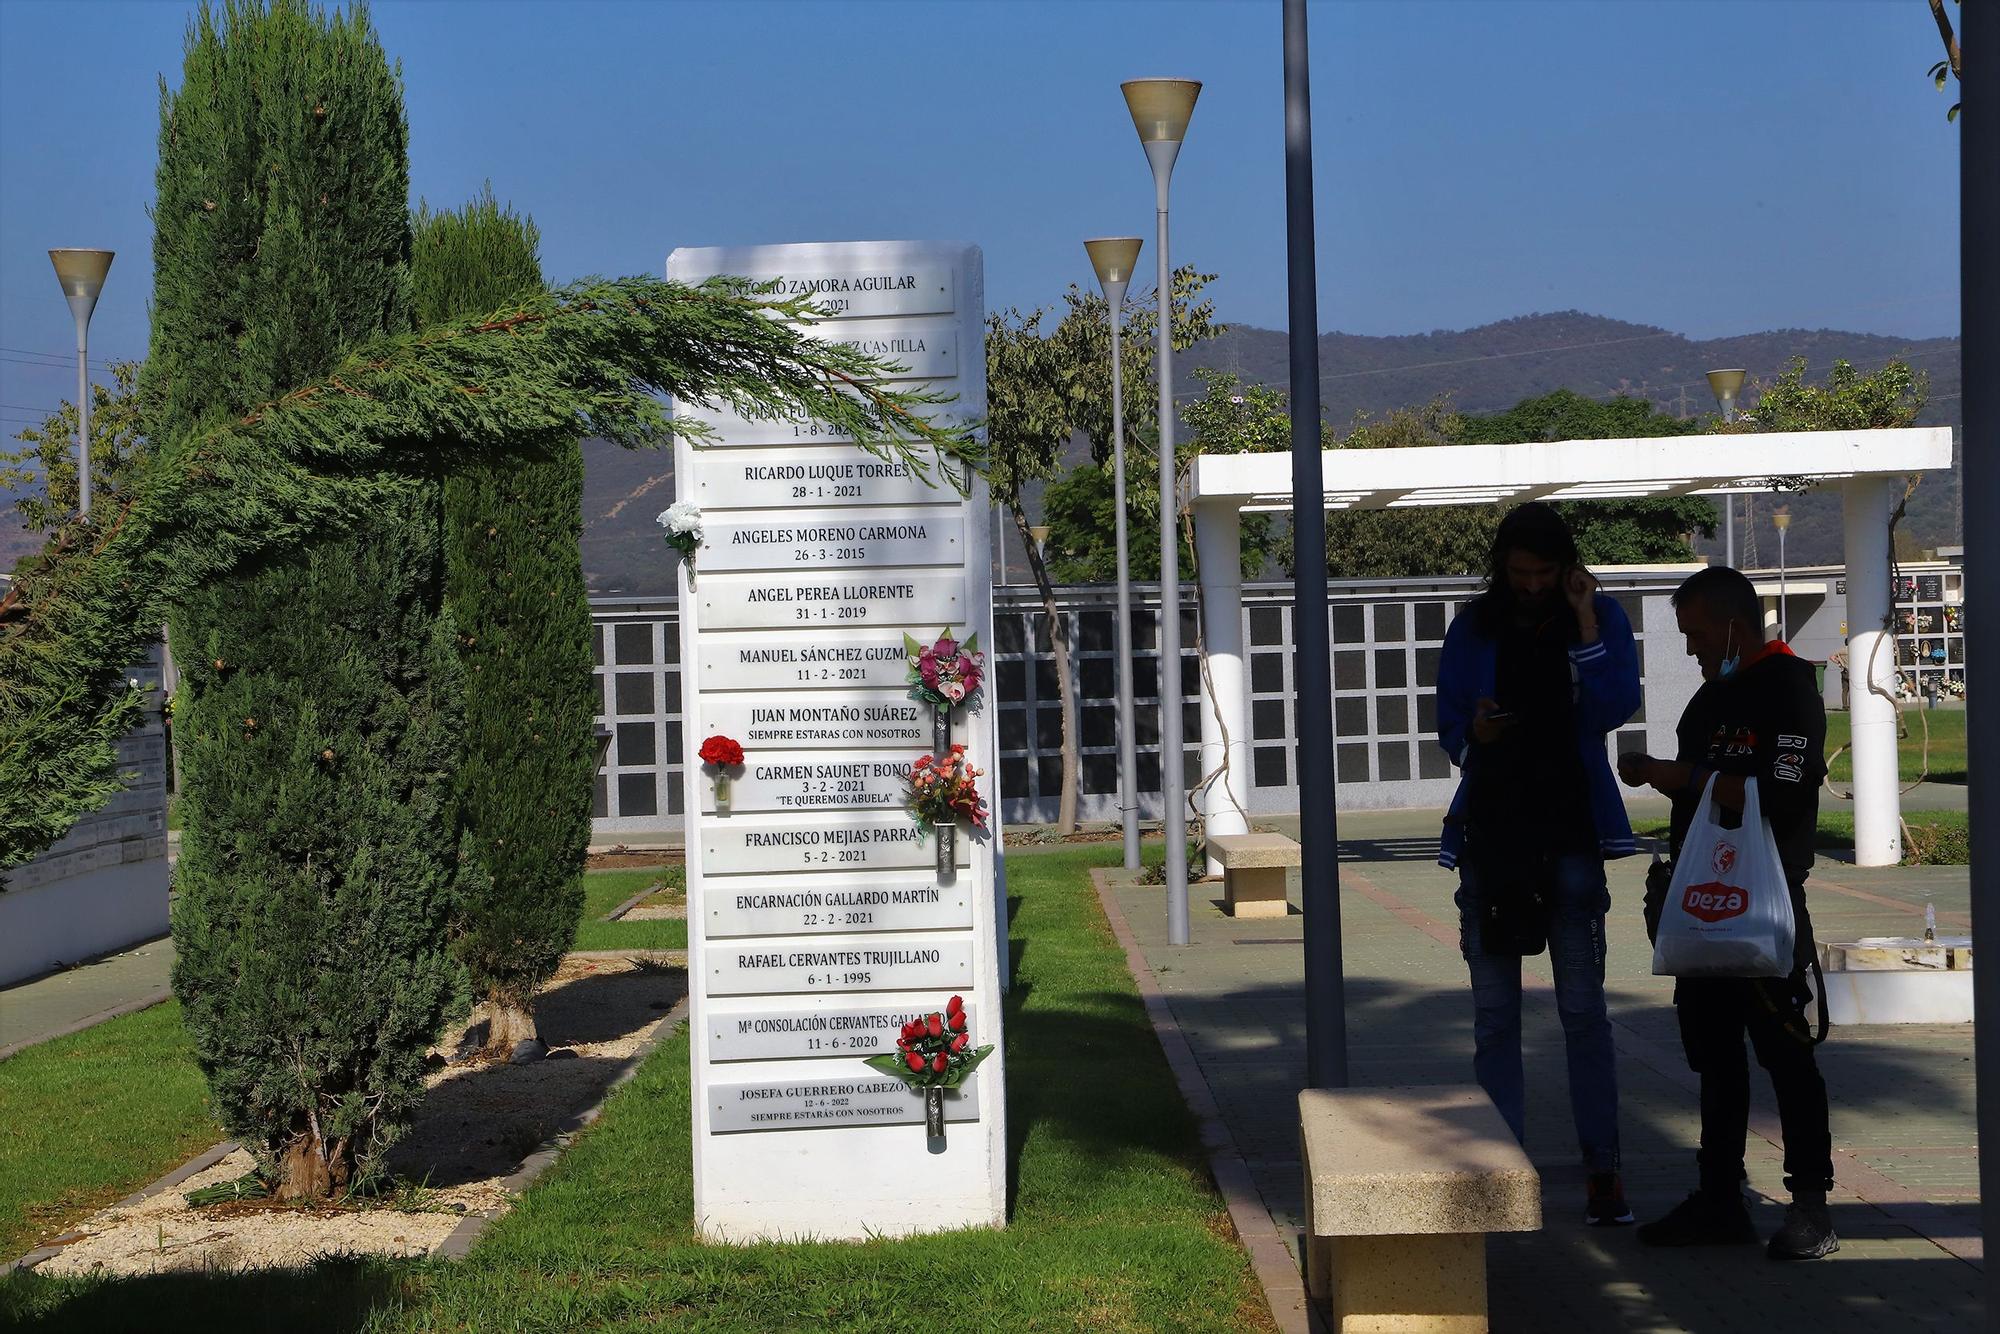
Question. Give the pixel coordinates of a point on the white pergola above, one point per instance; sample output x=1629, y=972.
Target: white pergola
x=1869, y=467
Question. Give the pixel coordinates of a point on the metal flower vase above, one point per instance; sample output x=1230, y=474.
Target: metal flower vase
x=947, y=848
x=934, y=1112
x=940, y=731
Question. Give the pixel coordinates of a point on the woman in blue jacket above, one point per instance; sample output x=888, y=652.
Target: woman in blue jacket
x=1536, y=671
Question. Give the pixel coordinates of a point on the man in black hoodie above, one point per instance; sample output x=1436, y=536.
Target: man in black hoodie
x=1757, y=715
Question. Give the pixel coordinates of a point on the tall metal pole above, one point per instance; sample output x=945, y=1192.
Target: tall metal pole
x=1128, y=761
x=1173, y=779
x=1729, y=530
x=1319, y=838
x=83, y=415
x=1979, y=314
x=1784, y=579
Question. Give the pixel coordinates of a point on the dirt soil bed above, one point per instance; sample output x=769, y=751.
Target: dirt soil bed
x=475, y=1127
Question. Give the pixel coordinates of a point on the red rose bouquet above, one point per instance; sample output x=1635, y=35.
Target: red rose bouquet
x=721, y=752
x=934, y=1051
x=943, y=792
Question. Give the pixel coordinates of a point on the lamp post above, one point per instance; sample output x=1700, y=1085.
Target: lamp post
x=1160, y=110
x=1725, y=385
x=1783, y=518
x=81, y=273
x=1113, y=258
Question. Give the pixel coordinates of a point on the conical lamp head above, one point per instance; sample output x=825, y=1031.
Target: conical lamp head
x=1161, y=107
x=1113, y=257
x=81, y=273
x=1725, y=385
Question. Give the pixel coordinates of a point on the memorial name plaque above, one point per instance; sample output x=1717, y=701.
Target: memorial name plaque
x=732, y=429
x=816, y=965
x=840, y=660
x=912, y=291
x=793, y=479
x=811, y=1028
x=804, y=541
x=758, y=602
x=858, y=720
x=821, y=914
x=743, y=907
x=854, y=1100
x=925, y=351
x=741, y=845
x=802, y=781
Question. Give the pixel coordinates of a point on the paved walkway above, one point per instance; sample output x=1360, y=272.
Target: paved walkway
x=1906, y=1203
x=63, y=1002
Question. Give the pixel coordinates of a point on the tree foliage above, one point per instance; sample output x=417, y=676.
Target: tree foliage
x=592, y=357
x=1846, y=400
x=320, y=700
x=515, y=589
x=43, y=473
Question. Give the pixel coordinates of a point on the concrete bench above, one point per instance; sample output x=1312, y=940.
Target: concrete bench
x=1402, y=1186
x=1253, y=872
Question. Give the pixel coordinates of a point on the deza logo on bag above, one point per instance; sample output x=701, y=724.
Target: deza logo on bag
x=1724, y=858
x=1714, y=902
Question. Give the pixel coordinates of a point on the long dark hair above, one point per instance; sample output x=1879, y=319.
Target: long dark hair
x=1533, y=527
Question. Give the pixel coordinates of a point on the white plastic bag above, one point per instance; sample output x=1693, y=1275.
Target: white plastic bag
x=1728, y=912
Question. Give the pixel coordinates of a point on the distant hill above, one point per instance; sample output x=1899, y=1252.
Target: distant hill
x=1482, y=370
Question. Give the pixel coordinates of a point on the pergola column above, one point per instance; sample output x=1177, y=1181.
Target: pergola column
x=1871, y=672
x=1218, y=532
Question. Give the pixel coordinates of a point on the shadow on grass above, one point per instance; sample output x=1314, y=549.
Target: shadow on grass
x=338, y=1294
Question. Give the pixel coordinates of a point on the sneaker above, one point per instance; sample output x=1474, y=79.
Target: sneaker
x=1807, y=1233
x=1702, y=1219
x=1607, y=1207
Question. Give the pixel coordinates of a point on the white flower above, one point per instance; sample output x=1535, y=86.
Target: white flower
x=681, y=517
x=954, y=691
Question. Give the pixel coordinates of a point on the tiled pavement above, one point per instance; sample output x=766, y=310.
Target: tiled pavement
x=1906, y=1201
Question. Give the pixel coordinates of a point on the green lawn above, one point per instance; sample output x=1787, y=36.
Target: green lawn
x=1947, y=742
x=89, y=1118
x=1115, y=1224
x=605, y=890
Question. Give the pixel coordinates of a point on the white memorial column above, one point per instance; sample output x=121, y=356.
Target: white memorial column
x=821, y=917
x=1871, y=658
x=1218, y=532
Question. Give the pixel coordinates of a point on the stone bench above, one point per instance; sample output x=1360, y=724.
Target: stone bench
x=1402, y=1186
x=1253, y=872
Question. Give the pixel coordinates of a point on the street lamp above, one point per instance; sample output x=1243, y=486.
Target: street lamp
x=1160, y=110
x=1783, y=518
x=1113, y=258
x=81, y=273
x=1725, y=385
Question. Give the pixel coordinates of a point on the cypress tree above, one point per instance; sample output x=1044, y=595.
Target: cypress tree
x=320, y=701
x=514, y=585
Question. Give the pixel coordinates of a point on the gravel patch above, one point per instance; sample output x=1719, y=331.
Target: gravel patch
x=476, y=1126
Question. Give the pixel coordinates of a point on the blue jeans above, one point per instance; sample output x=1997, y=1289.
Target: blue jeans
x=1576, y=950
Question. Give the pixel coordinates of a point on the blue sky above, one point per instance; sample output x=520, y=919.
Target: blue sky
x=1713, y=167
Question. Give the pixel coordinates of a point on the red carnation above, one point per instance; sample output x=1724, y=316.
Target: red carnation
x=721, y=752
x=935, y=1024
x=938, y=1063
x=916, y=1060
